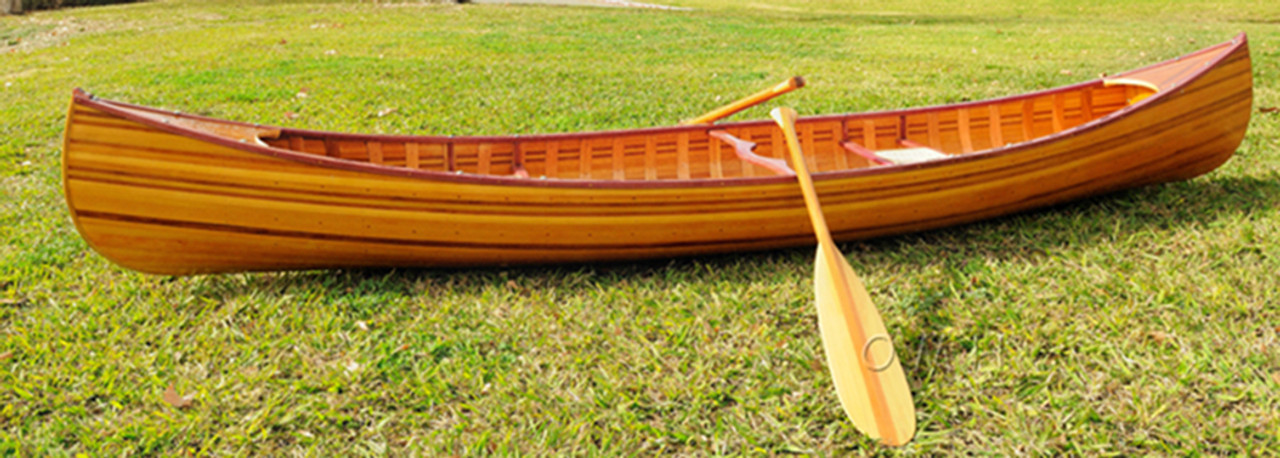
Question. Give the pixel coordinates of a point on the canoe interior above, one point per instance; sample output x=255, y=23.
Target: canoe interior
x=693, y=154
x=831, y=143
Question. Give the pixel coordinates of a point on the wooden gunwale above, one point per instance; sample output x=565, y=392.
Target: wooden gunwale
x=122, y=110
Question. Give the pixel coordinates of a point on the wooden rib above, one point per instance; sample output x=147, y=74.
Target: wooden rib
x=296, y=143
x=650, y=158
x=997, y=125
x=748, y=169
x=375, y=152
x=1086, y=104
x=411, y=158
x=619, y=163
x=682, y=156
x=776, y=147
x=713, y=159
x=585, y=159
x=331, y=147
x=962, y=125
x=1028, y=119
x=806, y=140
x=1059, y=112
x=935, y=136
x=553, y=159
x=869, y=134
x=450, y=158
x=517, y=161
x=842, y=158
x=485, y=156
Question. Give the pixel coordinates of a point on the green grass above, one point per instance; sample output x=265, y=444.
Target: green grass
x=1145, y=322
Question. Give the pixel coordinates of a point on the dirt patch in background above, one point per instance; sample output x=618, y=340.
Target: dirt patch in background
x=603, y=3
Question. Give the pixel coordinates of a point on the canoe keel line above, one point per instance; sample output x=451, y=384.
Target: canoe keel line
x=171, y=193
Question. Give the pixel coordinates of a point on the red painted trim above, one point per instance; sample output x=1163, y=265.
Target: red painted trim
x=123, y=110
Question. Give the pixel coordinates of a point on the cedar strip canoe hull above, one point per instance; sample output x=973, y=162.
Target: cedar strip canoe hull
x=168, y=193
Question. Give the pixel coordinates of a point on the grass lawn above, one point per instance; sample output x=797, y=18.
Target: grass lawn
x=1145, y=322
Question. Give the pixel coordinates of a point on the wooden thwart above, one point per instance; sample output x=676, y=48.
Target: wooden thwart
x=745, y=151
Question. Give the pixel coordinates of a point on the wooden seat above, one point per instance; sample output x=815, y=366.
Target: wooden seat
x=911, y=153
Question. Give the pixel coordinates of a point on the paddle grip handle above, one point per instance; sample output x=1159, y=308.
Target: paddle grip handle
x=717, y=114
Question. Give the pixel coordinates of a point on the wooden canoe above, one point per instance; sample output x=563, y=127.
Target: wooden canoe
x=170, y=193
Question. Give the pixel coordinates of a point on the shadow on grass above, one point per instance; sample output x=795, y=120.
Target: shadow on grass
x=915, y=314
x=1032, y=235
x=1091, y=221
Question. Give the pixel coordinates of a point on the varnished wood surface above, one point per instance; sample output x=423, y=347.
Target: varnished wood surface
x=176, y=194
x=868, y=376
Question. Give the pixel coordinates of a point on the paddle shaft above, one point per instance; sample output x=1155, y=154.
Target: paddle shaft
x=834, y=263
x=806, y=186
x=717, y=114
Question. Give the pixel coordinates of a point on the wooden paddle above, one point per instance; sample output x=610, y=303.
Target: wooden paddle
x=868, y=377
x=784, y=87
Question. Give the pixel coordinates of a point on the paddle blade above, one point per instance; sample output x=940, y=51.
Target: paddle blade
x=890, y=418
